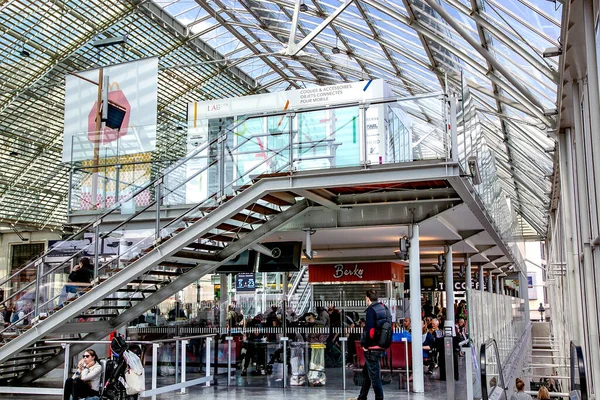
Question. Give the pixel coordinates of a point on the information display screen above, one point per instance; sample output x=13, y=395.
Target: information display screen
x=245, y=282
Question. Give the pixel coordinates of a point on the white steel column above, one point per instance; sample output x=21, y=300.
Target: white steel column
x=490, y=283
x=497, y=285
x=449, y=289
x=586, y=239
x=568, y=214
x=468, y=277
x=449, y=331
x=223, y=301
x=414, y=266
x=593, y=87
x=481, y=279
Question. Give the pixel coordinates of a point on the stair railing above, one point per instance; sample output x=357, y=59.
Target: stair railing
x=296, y=282
x=494, y=384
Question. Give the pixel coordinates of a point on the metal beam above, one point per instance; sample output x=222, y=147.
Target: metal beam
x=510, y=77
x=297, y=47
x=317, y=199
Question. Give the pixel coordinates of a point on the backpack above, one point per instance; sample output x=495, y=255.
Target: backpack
x=385, y=330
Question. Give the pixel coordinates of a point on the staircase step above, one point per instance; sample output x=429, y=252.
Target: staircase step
x=263, y=210
x=233, y=228
x=194, y=255
x=218, y=237
x=204, y=246
x=15, y=372
x=169, y=264
x=248, y=219
x=270, y=175
x=102, y=315
x=28, y=356
x=140, y=281
x=280, y=199
x=133, y=290
x=28, y=362
x=165, y=273
x=42, y=347
x=109, y=307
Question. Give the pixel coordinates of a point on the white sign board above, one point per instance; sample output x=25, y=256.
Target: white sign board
x=292, y=99
x=132, y=100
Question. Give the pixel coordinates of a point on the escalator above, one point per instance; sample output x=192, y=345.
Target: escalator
x=495, y=386
x=579, y=382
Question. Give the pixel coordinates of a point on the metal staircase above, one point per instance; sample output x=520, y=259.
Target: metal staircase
x=166, y=259
x=300, y=293
x=124, y=290
x=160, y=251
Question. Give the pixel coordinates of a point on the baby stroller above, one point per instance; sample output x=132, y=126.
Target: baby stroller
x=120, y=368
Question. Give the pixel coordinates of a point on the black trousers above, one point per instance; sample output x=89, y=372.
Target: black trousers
x=78, y=389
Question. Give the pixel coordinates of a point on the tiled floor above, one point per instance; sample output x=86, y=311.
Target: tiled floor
x=270, y=388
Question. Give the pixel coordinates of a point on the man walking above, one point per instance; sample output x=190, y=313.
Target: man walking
x=377, y=315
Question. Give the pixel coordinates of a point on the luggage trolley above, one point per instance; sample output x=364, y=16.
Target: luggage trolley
x=316, y=370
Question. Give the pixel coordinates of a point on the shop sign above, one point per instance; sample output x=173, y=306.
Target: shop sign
x=342, y=270
x=356, y=272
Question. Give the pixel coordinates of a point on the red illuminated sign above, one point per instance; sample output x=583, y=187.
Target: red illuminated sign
x=356, y=272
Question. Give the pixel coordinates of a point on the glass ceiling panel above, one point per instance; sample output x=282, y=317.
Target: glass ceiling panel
x=382, y=45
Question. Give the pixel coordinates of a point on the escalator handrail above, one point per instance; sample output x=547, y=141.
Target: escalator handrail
x=483, y=367
x=577, y=357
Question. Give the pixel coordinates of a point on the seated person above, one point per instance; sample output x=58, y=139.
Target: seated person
x=428, y=344
x=86, y=380
x=81, y=276
x=398, y=335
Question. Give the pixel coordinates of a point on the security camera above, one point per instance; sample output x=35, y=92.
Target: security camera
x=440, y=264
x=461, y=272
x=404, y=245
x=474, y=170
x=552, y=52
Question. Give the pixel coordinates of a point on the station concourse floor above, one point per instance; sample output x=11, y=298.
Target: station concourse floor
x=270, y=388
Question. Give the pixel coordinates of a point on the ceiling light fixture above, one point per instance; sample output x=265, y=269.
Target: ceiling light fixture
x=303, y=7
x=335, y=50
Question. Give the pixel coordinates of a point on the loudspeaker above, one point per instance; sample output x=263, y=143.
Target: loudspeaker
x=243, y=262
x=285, y=256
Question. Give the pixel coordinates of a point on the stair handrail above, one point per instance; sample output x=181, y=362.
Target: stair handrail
x=296, y=283
x=483, y=367
x=109, y=211
x=577, y=361
x=303, y=299
x=181, y=217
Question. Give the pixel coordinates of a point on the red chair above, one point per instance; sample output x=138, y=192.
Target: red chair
x=400, y=359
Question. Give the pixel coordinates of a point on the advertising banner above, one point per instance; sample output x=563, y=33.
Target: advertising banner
x=132, y=103
x=292, y=99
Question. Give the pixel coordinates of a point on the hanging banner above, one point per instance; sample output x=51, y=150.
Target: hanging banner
x=131, y=101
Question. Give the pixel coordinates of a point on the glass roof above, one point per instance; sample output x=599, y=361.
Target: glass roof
x=415, y=45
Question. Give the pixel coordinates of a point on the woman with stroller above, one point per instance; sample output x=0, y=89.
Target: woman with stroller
x=86, y=380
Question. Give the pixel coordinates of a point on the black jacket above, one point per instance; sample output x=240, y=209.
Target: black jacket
x=376, y=316
x=82, y=275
